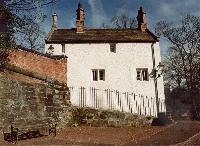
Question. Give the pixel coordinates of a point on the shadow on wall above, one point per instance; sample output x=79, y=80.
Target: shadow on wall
x=180, y=105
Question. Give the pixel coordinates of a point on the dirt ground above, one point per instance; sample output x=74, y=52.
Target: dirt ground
x=175, y=134
x=92, y=136
x=194, y=140
x=182, y=132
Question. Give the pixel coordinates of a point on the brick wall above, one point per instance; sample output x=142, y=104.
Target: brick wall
x=40, y=64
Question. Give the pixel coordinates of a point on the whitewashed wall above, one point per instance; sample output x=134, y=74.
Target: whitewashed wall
x=120, y=67
x=115, y=100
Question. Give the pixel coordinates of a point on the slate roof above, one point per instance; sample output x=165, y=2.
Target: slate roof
x=100, y=36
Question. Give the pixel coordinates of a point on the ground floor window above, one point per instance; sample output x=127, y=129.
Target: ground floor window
x=142, y=74
x=98, y=74
x=102, y=75
x=95, y=75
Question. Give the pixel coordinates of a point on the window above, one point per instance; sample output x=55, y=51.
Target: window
x=142, y=74
x=98, y=74
x=95, y=75
x=113, y=48
x=63, y=48
x=138, y=75
x=102, y=75
x=145, y=75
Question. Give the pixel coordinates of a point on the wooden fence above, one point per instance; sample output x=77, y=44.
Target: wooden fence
x=115, y=100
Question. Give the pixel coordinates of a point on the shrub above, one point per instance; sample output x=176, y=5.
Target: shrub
x=105, y=118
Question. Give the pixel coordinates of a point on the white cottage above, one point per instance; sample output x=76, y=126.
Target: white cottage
x=111, y=68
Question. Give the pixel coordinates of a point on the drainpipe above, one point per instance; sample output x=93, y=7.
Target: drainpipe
x=155, y=77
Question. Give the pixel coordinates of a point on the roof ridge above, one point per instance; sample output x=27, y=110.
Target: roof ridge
x=100, y=29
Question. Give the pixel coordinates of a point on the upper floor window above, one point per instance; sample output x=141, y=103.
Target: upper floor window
x=142, y=74
x=113, y=48
x=63, y=48
x=98, y=74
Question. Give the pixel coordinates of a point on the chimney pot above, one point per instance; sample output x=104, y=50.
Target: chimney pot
x=79, y=5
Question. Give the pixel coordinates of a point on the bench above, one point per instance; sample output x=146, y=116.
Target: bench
x=29, y=129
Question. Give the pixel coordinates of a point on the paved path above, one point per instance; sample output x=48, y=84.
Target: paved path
x=177, y=133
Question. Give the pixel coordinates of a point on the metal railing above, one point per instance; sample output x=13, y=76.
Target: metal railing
x=115, y=100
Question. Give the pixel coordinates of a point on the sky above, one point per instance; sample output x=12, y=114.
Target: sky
x=98, y=12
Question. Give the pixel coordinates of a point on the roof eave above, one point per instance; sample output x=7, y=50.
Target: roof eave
x=98, y=41
x=157, y=39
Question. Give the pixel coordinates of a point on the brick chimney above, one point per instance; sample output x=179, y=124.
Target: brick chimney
x=141, y=18
x=54, y=21
x=80, y=19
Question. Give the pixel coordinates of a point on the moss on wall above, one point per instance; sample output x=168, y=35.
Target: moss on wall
x=28, y=102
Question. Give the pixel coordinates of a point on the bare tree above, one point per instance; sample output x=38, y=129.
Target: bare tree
x=122, y=22
x=183, y=60
x=30, y=34
x=15, y=18
x=26, y=5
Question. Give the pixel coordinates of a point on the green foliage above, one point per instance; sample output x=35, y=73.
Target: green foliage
x=104, y=118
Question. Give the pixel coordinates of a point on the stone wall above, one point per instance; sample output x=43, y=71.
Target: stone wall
x=24, y=101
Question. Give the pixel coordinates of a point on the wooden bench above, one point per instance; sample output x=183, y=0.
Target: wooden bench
x=29, y=129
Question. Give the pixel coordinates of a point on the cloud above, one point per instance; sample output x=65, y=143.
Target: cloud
x=125, y=9
x=172, y=10
x=98, y=13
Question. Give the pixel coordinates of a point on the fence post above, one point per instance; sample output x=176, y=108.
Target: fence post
x=114, y=99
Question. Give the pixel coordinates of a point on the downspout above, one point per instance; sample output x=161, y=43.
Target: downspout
x=155, y=76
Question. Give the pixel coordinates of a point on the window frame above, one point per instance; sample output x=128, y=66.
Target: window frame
x=98, y=75
x=113, y=48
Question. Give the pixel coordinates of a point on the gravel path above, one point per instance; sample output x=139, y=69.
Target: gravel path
x=175, y=134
